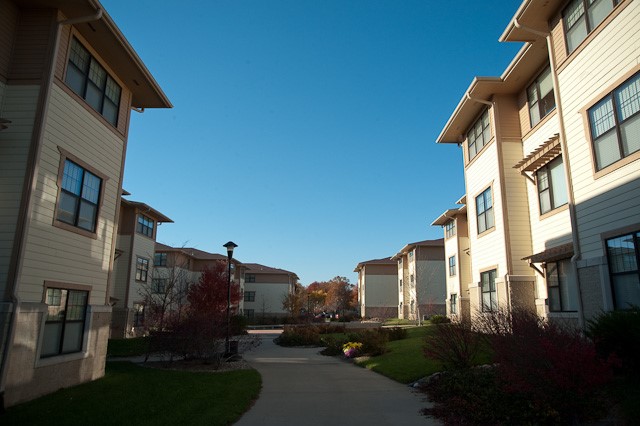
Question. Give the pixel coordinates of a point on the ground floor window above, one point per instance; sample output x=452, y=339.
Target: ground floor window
x=562, y=293
x=489, y=293
x=138, y=314
x=66, y=317
x=454, y=304
x=249, y=313
x=624, y=257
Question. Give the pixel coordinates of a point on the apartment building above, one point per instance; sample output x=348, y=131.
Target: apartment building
x=265, y=289
x=133, y=276
x=457, y=261
x=550, y=152
x=421, y=279
x=378, y=288
x=68, y=81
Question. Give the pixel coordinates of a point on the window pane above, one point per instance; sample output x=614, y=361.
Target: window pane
x=554, y=299
x=598, y=10
x=568, y=287
x=51, y=339
x=113, y=91
x=480, y=205
x=489, y=219
x=534, y=114
x=94, y=97
x=110, y=112
x=72, y=177
x=622, y=255
x=76, y=305
x=91, y=187
x=545, y=201
x=628, y=98
x=630, y=131
x=556, y=170
x=576, y=34
x=601, y=118
x=87, y=216
x=606, y=150
x=627, y=290
x=67, y=206
x=73, y=337
x=573, y=13
x=546, y=83
x=97, y=74
x=75, y=79
x=543, y=179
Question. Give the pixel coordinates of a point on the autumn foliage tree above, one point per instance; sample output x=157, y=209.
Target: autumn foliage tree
x=335, y=295
x=294, y=302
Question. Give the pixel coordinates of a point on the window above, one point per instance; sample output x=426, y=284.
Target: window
x=624, y=257
x=249, y=296
x=450, y=229
x=64, y=326
x=411, y=253
x=411, y=280
x=158, y=285
x=562, y=292
x=90, y=80
x=452, y=266
x=578, y=24
x=479, y=135
x=453, y=303
x=142, y=269
x=249, y=313
x=489, y=294
x=138, y=315
x=160, y=259
x=79, y=197
x=540, y=97
x=552, y=187
x=400, y=285
x=614, y=123
x=249, y=278
x=145, y=226
x=484, y=211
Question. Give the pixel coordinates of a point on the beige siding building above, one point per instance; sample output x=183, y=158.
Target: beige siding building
x=133, y=275
x=265, y=289
x=421, y=279
x=68, y=81
x=551, y=152
x=378, y=288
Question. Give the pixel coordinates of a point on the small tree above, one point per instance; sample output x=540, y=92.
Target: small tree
x=293, y=302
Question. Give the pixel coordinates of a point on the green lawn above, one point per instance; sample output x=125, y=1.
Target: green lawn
x=128, y=347
x=404, y=362
x=130, y=394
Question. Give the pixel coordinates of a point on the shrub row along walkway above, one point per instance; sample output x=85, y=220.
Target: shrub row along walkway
x=300, y=386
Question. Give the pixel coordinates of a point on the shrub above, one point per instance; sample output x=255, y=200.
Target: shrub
x=333, y=345
x=299, y=336
x=439, y=319
x=374, y=342
x=454, y=345
x=395, y=333
x=617, y=334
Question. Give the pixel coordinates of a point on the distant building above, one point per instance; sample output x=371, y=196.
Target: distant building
x=265, y=289
x=421, y=279
x=377, y=288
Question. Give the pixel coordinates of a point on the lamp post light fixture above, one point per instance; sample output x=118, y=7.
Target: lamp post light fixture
x=229, y=246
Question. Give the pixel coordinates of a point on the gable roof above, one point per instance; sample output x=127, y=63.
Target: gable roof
x=256, y=268
x=383, y=261
x=146, y=209
x=425, y=243
x=191, y=252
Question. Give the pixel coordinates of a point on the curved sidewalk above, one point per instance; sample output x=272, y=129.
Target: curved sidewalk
x=302, y=387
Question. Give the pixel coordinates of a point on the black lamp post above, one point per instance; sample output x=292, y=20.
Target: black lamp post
x=230, y=246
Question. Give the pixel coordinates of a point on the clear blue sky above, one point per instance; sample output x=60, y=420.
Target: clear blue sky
x=304, y=131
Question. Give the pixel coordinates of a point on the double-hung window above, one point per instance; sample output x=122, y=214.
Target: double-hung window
x=453, y=304
x=615, y=123
x=562, y=292
x=159, y=285
x=450, y=229
x=142, y=269
x=489, y=293
x=65, y=323
x=624, y=257
x=79, y=197
x=160, y=259
x=90, y=80
x=582, y=16
x=249, y=296
x=552, y=187
x=145, y=225
x=138, y=314
x=479, y=135
x=452, y=266
x=484, y=211
x=249, y=278
x=540, y=97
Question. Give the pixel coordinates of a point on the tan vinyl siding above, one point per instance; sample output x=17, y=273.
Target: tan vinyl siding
x=18, y=105
x=508, y=118
x=517, y=208
x=380, y=290
x=8, y=24
x=60, y=255
x=31, y=45
x=121, y=270
x=611, y=201
x=559, y=42
x=142, y=247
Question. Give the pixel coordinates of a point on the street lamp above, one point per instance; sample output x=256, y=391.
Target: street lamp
x=229, y=246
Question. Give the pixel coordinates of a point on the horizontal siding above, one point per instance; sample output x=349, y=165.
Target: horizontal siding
x=380, y=290
x=143, y=247
x=121, y=270
x=269, y=297
x=18, y=105
x=508, y=119
x=53, y=253
x=585, y=80
x=542, y=134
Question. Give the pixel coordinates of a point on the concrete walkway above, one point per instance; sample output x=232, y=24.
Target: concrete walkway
x=302, y=387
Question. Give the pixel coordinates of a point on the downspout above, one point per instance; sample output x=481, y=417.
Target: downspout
x=29, y=186
x=565, y=161
x=503, y=197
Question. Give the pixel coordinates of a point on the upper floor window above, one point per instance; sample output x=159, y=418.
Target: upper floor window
x=552, y=187
x=159, y=285
x=578, y=24
x=479, y=135
x=249, y=296
x=540, y=97
x=79, y=197
x=90, y=80
x=450, y=229
x=249, y=278
x=624, y=257
x=65, y=323
x=615, y=123
x=489, y=292
x=160, y=259
x=484, y=211
x=142, y=269
x=145, y=226
x=452, y=266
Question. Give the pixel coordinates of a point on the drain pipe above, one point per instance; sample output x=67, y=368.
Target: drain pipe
x=19, y=247
x=565, y=160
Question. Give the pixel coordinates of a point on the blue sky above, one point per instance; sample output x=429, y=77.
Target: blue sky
x=304, y=131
